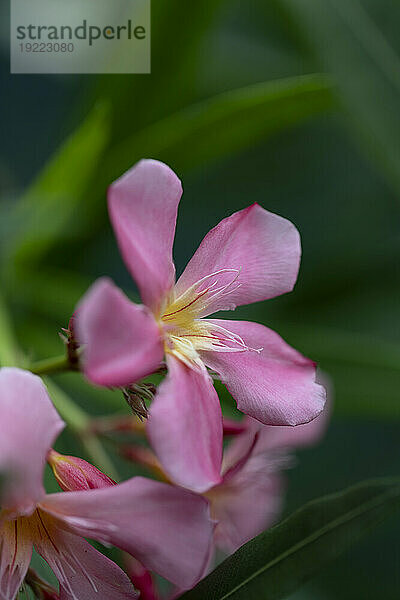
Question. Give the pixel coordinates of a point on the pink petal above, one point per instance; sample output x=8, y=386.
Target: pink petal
x=167, y=528
x=258, y=438
x=83, y=572
x=275, y=438
x=122, y=340
x=262, y=247
x=141, y=578
x=185, y=427
x=275, y=386
x=143, y=205
x=29, y=424
x=244, y=507
x=15, y=556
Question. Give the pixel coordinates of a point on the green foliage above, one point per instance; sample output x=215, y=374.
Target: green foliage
x=277, y=562
x=227, y=123
x=51, y=206
x=349, y=45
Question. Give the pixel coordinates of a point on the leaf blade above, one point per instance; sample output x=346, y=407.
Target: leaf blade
x=228, y=123
x=48, y=207
x=279, y=560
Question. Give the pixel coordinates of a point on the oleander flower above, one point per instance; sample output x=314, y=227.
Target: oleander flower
x=250, y=495
x=250, y=256
x=166, y=528
x=249, y=498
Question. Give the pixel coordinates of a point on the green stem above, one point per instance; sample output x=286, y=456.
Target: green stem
x=49, y=366
x=9, y=352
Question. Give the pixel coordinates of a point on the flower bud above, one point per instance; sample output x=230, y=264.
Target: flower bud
x=74, y=474
x=136, y=395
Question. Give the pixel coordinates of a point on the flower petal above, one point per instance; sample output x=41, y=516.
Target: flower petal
x=167, y=528
x=244, y=507
x=82, y=572
x=141, y=578
x=15, y=556
x=185, y=427
x=143, y=205
x=264, y=250
x=257, y=438
x=122, y=340
x=275, y=438
x=29, y=424
x=277, y=385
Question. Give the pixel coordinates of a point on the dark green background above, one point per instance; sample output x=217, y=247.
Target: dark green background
x=332, y=167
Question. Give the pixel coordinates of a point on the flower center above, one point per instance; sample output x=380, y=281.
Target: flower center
x=186, y=333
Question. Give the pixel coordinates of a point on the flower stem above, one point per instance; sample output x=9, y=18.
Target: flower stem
x=9, y=352
x=49, y=366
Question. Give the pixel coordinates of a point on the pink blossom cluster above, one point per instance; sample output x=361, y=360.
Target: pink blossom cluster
x=209, y=494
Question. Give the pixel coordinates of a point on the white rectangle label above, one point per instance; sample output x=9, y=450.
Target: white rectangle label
x=80, y=36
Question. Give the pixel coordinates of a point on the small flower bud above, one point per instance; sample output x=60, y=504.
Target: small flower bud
x=136, y=395
x=74, y=474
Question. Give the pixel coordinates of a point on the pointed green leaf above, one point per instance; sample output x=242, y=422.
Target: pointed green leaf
x=50, y=207
x=227, y=123
x=278, y=561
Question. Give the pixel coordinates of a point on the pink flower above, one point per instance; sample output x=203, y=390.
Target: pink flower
x=249, y=498
x=250, y=256
x=166, y=528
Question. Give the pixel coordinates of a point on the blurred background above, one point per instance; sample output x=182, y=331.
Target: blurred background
x=290, y=103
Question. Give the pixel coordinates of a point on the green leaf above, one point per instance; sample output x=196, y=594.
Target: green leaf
x=227, y=123
x=50, y=207
x=278, y=561
x=348, y=45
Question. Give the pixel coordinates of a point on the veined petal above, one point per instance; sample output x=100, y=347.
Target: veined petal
x=185, y=427
x=15, y=556
x=254, y=248
x=29, y=424
x=167, y=528
x=143, y=205
x=82, y=572
x=122, y=340
x=275, y=386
